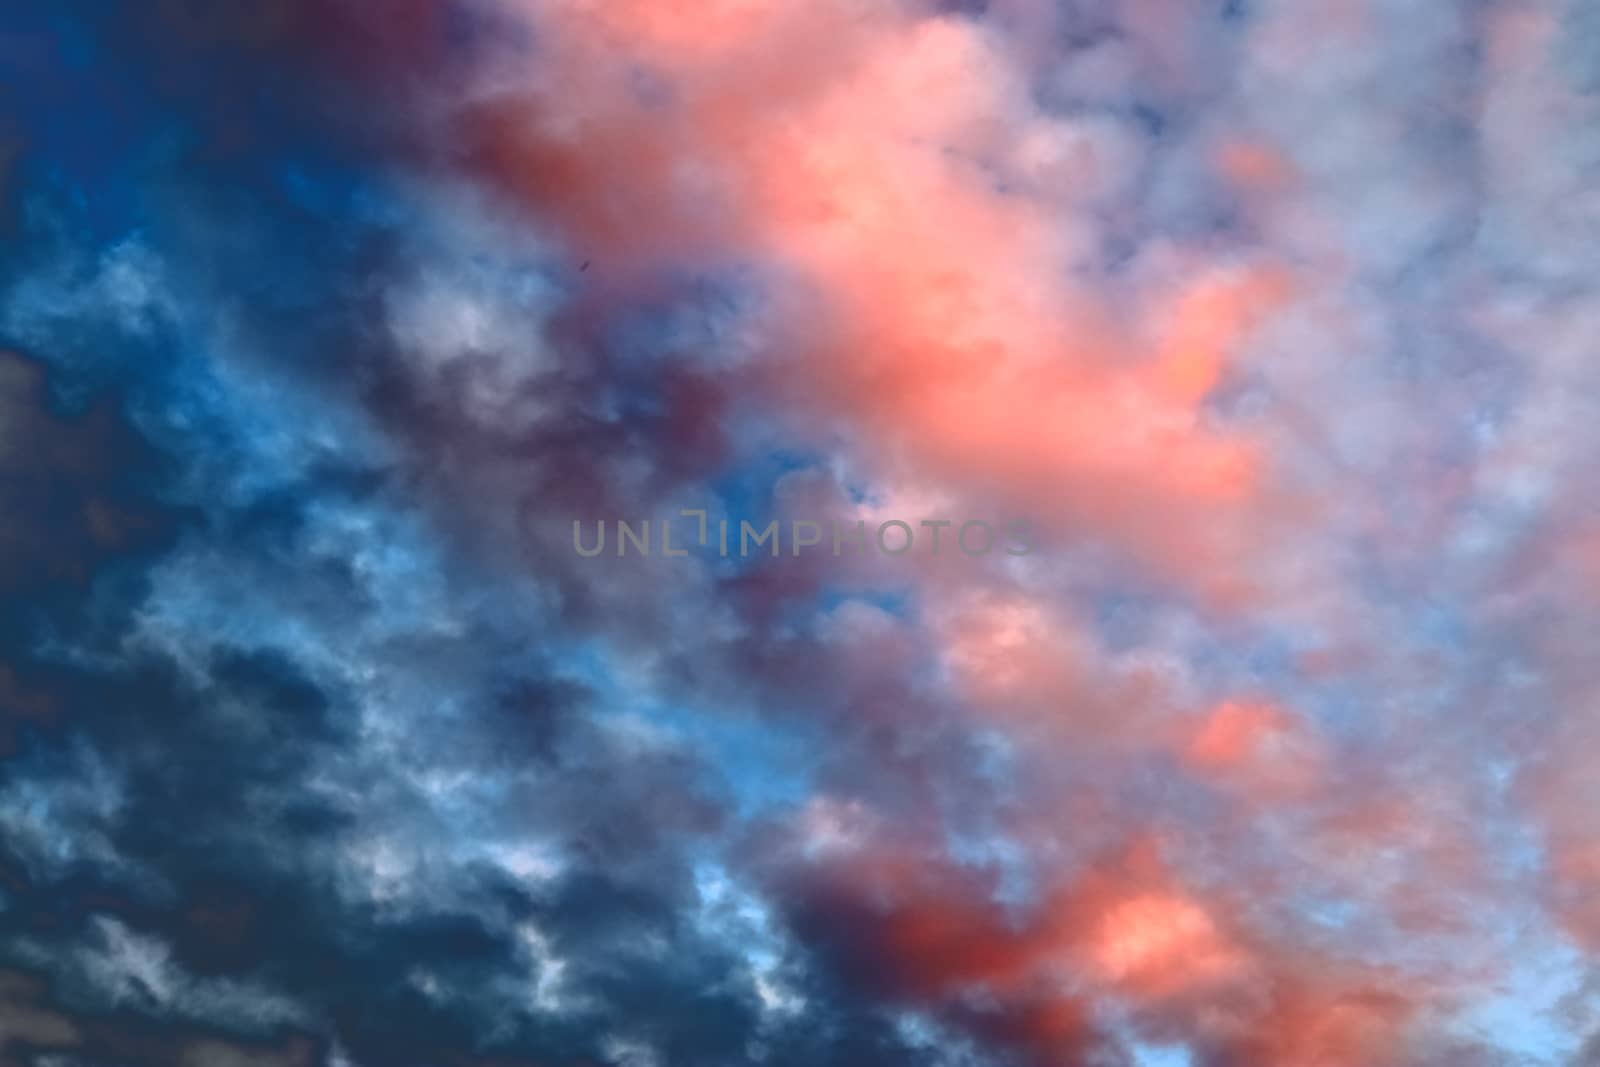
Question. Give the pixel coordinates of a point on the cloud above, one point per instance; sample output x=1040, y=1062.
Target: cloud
x=321, y=745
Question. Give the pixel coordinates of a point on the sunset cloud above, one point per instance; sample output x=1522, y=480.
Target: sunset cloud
x=1263, y=328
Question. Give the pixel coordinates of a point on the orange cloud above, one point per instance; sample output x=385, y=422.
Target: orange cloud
x=1159, y=943
x=918, y=306
x=932, y=933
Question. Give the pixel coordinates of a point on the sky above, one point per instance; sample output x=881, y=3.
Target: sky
x=1251, y=340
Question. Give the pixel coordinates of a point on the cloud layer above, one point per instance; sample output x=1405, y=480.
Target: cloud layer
x=320, y=746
